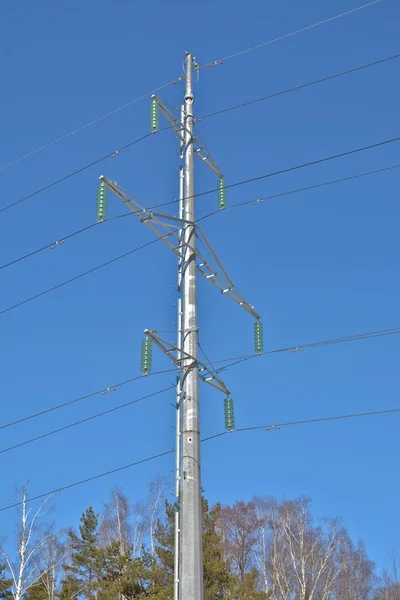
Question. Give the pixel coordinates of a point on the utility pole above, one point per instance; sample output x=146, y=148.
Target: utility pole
x=180, y=234
x=191, y=572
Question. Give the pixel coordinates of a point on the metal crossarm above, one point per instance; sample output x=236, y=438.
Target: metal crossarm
x=168, y=228
x=171, y=350
x=201, y=152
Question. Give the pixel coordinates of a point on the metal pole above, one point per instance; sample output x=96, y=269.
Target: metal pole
x=178, y=379
x=191, y=572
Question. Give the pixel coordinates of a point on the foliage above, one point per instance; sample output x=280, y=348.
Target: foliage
x=257, y=550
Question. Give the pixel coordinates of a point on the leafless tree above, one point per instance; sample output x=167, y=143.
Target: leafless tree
x=303, y=556
x=357, y=573
x=114, y=522
x=389, y=588
x=151, y=511
x=239, y=525
x=32, y=544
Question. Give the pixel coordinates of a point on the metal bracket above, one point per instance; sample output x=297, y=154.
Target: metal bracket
x=175, y=123
x=169, y=349
x=166, y=226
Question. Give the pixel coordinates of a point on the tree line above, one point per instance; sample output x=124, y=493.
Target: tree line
x=261, y=549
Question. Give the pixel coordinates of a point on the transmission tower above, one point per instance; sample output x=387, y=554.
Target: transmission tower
x=181, y=234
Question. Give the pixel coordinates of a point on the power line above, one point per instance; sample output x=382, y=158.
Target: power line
x=218, y=211
x=299, y=87
x=319, y=420
x=77, y=171
x=207, y=439
x=236, y=360
x=301, y=166
x=102, y=391
x=74, y=131
x=300, y=347
x=234, y=107
x=63, y=283
x=292, y=33
x=91, y=418
x=56, y=243
x=71, y=485
x=232, y=185
x=297, y=191
x=131, y=102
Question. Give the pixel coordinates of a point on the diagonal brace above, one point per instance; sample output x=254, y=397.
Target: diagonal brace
x=179, y=129
x=171, y=350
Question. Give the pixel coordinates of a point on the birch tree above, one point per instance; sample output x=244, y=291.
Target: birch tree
x=114, y=523
x=303, y=557
x=153, y=510
x=25, y=571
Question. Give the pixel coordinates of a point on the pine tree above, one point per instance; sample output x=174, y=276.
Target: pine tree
x=83, y=574
x=217, y=577
x=5, y=585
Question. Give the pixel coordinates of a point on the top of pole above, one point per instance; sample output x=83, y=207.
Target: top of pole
x=189, y=72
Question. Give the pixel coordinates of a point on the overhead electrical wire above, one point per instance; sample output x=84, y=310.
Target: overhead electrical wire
x=209, y=115
x=261, y=200
x=86, y=420
x=102, y=391
x=174, y=81
x=63, y=283
x=299, y=348
x=254, y=202
x=56, y=243
x=297, y=87
x=77, y=171
x=232, y=185
x=207, y=439
x=237, y=360
x=97, y=120
x=287, y=35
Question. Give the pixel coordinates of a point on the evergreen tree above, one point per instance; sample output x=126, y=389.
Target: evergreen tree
x=5, y=585
x=124, y=577
x=217, y=577
x=83, y=574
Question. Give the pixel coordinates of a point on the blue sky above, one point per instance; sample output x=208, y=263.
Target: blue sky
x=317, y=265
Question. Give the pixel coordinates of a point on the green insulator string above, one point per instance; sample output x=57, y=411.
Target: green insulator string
x=154, y=115
x=258, y=337
x=101, y=204
x=221, y=193
x=229, y=414
x=147, y=352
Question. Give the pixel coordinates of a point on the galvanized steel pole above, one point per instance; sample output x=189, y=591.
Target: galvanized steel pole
x=191, y=571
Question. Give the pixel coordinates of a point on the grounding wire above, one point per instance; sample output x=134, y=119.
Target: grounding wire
x=298, y=87
x=131, y=102
x=287, y=35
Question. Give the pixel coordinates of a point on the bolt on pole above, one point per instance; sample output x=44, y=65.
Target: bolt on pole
x=191, y=571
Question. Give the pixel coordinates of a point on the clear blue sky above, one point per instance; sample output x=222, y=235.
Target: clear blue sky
x=317, y=265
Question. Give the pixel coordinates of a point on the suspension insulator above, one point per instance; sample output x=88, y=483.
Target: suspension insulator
x=154, y=115
x=229, y=414
x=101, y=204
x=147, y=351
x=221, y=193
x=258, y=337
